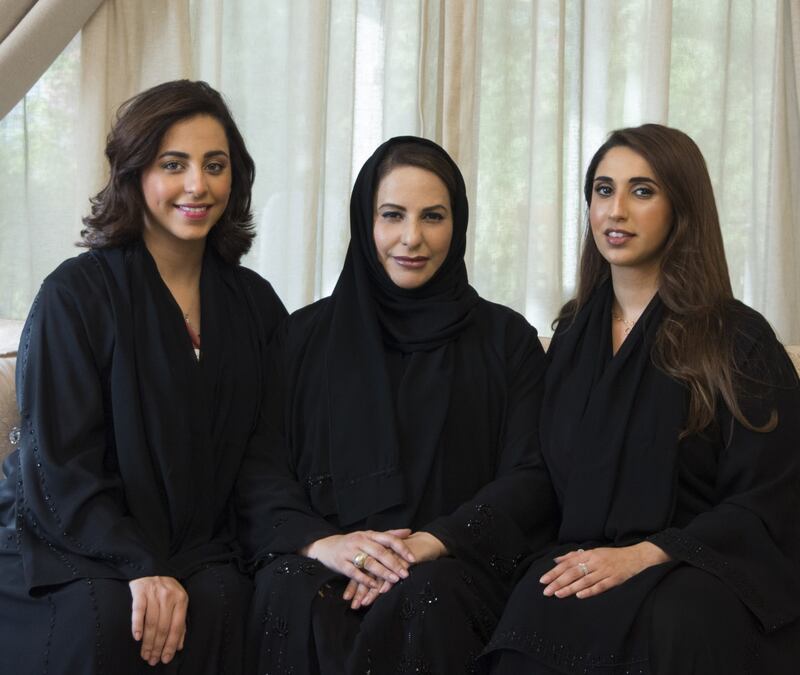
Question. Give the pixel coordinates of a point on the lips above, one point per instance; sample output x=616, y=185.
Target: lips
x=411, y=263
x=194, y=211
x=616, y=237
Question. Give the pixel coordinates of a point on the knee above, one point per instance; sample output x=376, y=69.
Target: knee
x=430, y=587
x=697, y=624
x=688, y=600
x=220, y=590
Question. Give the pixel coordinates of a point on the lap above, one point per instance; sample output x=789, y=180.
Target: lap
x=84, y=626
x=439, y=618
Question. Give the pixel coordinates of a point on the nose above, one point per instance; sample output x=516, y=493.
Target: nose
x=411, y=236
x=195, y=182
x=619, y=208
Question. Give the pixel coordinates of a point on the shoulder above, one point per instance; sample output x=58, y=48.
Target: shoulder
x=503, y=316
x=78, y=281
x=757, y=352
x=261, y=289
x=307, y=320
x=508, y=330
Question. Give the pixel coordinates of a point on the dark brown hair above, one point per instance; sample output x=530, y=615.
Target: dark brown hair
x=695, y=343
x=117, y=210
x=422, y=156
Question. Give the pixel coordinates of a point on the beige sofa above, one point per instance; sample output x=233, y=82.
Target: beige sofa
x=9, y=339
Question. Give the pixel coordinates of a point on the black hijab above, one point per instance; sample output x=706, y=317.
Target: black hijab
x=369, y=313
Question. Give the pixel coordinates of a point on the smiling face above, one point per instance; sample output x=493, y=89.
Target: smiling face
x=630, y=213
x=412, y=225
x=187, y=186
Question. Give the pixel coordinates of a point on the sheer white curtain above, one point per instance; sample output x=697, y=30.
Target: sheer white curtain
x=520, y=92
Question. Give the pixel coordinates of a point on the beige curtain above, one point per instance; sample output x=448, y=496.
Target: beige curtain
x=32, y=35
x=520, y=92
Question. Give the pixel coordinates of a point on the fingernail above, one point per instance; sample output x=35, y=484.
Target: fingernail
x=547, y=592
x=137, y=636
x=165, y=657
x=394, y=578
x=153, y=661
x=146, y=655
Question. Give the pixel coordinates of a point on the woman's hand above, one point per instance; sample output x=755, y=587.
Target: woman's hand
x=158, y=617
x=423, y=545
x=587, y=573
x=383, y=556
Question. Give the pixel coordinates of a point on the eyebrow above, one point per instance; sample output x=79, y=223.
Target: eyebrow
x=634, y=179
x=185, y=155
x=403, y=208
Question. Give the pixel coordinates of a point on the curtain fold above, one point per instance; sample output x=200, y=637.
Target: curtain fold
x=125, y=47
x=520, y=92
x=33, y=35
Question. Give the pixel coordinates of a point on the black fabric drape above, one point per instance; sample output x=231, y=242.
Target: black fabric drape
x=722, y=501
x=367, y=310
x=389, y=408
x=131, y=446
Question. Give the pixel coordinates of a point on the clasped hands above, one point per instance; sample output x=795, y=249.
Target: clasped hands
x=373, y=561
x=587, y=573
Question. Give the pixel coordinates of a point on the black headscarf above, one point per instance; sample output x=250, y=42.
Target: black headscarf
x=369, y=312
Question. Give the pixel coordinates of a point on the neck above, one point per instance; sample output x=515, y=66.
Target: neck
x=633, y=289
x=178, y=263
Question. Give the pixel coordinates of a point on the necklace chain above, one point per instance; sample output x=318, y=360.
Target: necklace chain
x=628, y=324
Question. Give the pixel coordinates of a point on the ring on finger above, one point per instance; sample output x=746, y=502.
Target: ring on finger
x=360, y=559
x=584, y=568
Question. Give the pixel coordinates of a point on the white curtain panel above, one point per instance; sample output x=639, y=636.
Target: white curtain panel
x=520, y=92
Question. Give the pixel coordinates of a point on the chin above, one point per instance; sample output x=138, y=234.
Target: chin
x=407, y=283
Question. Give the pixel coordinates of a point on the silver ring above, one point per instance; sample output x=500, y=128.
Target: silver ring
x=584, y=568
x=360, y=559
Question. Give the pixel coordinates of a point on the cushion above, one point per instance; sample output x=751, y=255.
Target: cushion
x=9, y=417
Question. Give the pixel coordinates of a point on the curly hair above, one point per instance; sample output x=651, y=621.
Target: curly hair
x=141, y=122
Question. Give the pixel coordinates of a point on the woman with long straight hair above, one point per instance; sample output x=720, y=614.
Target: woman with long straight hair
x=671, y=429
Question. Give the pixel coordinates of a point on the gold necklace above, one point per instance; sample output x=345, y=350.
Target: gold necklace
x=628, y=324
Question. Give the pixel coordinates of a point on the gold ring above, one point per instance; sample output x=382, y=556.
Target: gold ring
x=360, y=559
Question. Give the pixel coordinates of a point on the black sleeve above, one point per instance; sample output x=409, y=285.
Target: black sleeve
x=515, y=514
x=751, y=538
x=274, y=512
x=70, y=505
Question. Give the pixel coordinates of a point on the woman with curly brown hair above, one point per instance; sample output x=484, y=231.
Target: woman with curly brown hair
x=671, y=428
x=139, y=384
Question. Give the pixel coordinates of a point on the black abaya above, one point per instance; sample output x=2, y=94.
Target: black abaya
x=129, y=453
x=395, y=408
x=721, y=504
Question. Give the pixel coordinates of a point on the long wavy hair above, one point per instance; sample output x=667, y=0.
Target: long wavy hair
x=695, y=343
x=117, y=211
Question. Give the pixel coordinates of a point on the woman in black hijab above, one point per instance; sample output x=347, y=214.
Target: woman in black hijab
x=671, y=429
x=399, y=455
x=118, y=546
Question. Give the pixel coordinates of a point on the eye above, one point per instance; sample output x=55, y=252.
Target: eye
x=216, y=167
x=433, y=215
x=391, y=215
x=603, y=189
x=643, y=191
x=171, y=165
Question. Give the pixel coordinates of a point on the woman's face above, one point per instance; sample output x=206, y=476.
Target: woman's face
x=187, y=187
x=630, y=214
x=413, y=225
